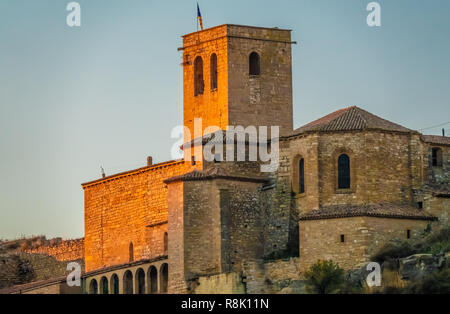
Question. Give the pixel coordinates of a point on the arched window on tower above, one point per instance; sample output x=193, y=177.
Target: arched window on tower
x=166, y=243
x=436, y=156
x=199, y=84
x=301, y=176
x=254, y=64
x=131, y=251
x=344, y=172
x=213, y=65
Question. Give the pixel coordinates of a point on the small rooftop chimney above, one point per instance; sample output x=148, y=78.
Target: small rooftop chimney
x=149, y=161
x=443, y=132
x=103, y=172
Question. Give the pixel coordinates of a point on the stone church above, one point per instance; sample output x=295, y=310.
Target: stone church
x=345, y=185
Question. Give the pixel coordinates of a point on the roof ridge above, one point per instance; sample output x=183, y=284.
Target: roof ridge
x=352, y=118
x=357, y=111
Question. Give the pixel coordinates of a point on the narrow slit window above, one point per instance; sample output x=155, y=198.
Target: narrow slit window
x=213, y=65
x=301, y=173
x=131, y=251
x=254, y=63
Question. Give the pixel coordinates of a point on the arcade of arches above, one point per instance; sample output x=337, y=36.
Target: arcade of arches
x=143, y=278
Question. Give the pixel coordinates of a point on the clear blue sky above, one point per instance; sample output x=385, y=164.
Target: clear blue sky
x=109, y=93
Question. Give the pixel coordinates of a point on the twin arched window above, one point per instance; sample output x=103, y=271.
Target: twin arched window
x=199, y=83
x=254, y=64
x=344, y=172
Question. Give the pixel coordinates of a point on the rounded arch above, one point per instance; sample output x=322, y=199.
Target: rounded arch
x=114, y=282
x=164, y=278
x=128, y=282
x=213, y=70
x=344, y=175
x=93, y=287
x=140, y=281
x=199, y=85
x=254, y=64
x=104, y=289
x=152, y=280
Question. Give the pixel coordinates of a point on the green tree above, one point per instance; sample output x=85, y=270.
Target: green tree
x=324, y=277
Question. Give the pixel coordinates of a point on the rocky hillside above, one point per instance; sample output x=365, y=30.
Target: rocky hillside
x=19, y=264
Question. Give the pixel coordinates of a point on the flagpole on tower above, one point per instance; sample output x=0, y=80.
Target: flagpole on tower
x=199, y=18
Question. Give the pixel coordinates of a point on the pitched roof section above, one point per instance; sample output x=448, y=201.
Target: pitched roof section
x=350, y=119
x=435, y=139
x=374, y=210
x=211, y=174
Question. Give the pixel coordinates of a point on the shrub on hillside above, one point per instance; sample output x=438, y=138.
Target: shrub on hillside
x=324, y=277
x=437, y=283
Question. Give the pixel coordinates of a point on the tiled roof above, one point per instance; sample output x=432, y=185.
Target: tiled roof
x=434, y=139
x=350, y=119
x=223, y=137
x=133, y=172
x=374, y=210
x=213, y=173
x=33, y=285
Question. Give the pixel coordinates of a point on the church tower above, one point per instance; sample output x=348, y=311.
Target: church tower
x=238, y=76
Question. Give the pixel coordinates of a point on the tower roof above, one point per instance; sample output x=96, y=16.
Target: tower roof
x=350, y=119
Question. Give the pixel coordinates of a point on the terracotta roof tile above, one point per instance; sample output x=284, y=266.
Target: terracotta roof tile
x=438, y=140
x=350, y=119
x=213, y=173
x=374, y=210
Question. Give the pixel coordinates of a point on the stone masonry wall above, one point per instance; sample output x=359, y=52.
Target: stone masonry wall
x=380, y=168
x=266, y=99
x=68, y=250
x=127, y=208
x=212, y=105
x=321, y=239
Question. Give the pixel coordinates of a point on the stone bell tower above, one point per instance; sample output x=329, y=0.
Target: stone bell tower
x=238, y=75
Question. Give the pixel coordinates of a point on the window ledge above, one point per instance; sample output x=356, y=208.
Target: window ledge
x=344, y=191
x=300, y=195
